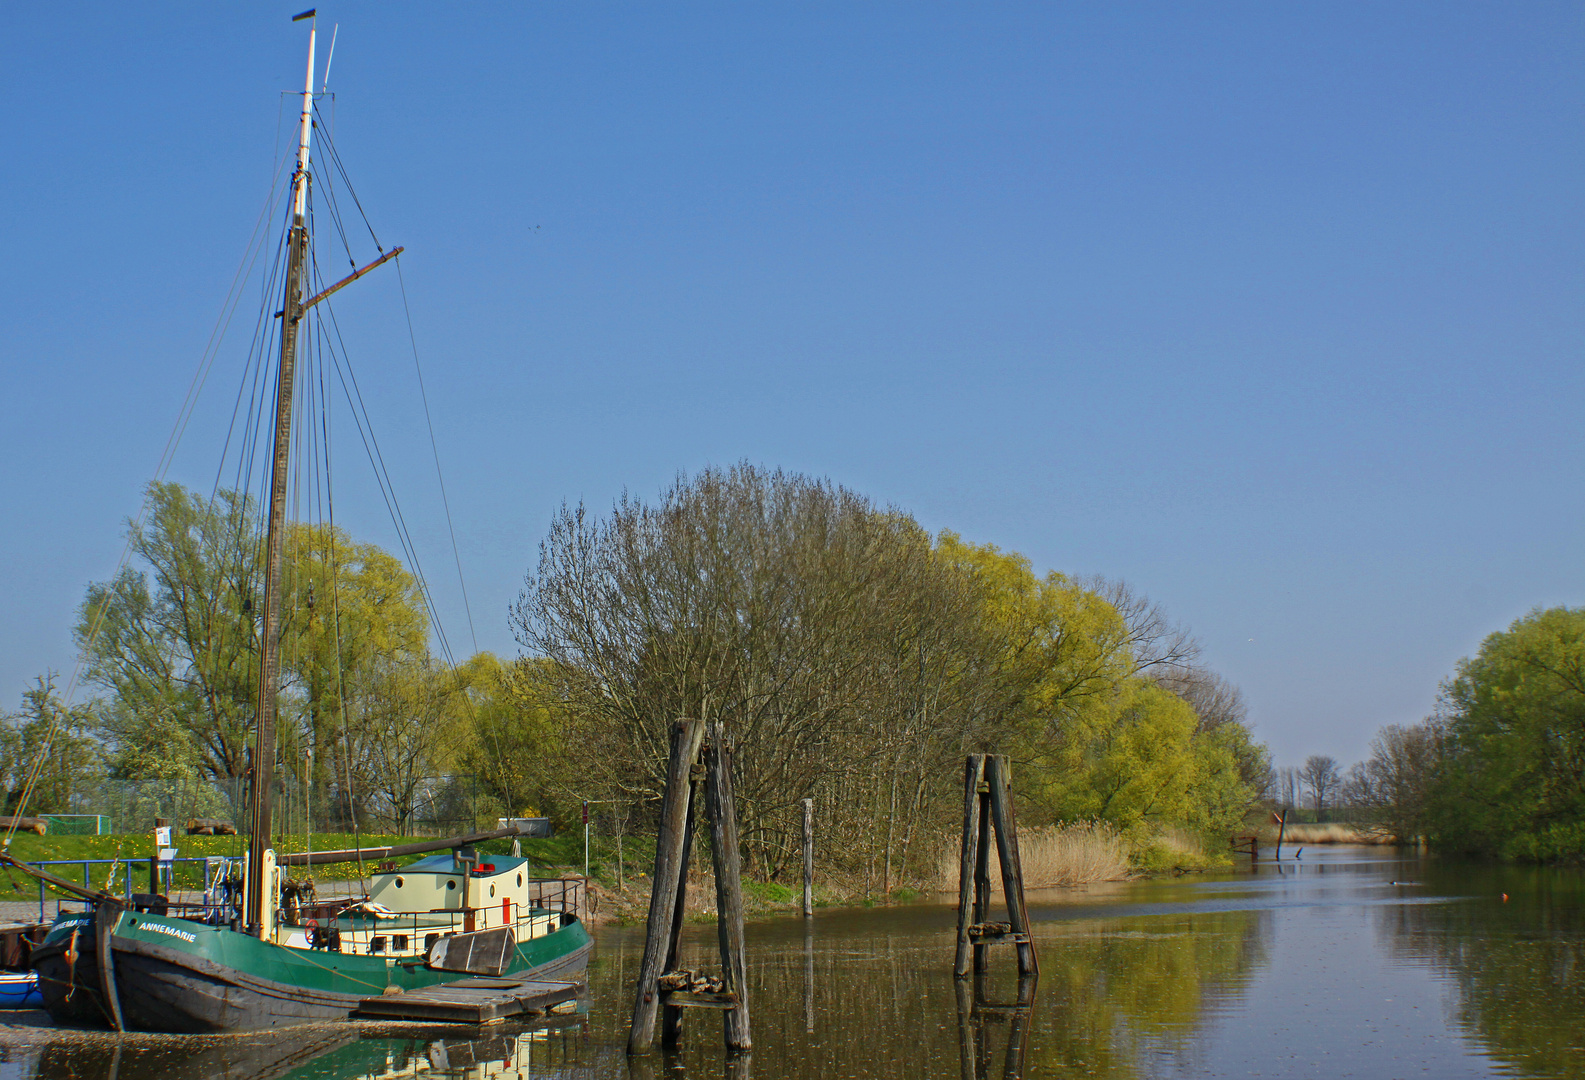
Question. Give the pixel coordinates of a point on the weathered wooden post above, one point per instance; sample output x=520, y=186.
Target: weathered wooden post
x=686, y=735
x=988, y=807
x=660, y=982
x=809, y=857
x=722, y=806
x=982, y=873
x=671, y=1019
x=968, y=892
x=999, y=776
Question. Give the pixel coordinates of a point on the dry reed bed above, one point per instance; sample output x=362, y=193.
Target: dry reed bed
x=1327, y=832
x=1055, y=856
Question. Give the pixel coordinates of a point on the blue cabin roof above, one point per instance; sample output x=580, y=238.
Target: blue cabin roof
x=444, y=863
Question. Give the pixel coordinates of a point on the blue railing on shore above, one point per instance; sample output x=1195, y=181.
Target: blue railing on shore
x=165, y=869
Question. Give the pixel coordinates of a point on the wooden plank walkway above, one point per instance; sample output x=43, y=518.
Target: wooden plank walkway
x=472, y=1001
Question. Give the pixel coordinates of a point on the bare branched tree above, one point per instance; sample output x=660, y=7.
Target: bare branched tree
x=1157, y=643
x=1390, y=789
x=1321, y=780
x=819, y=628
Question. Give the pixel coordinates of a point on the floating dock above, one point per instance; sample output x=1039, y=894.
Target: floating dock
x=473, y=1001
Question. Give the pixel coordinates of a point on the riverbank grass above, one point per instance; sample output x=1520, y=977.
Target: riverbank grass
x=1175, y=851
x=1055, y=856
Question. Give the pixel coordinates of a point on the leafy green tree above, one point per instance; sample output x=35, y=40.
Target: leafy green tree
x=1513, y=778
x=1087, y=698
x=408, y=735
x=354, y=640
x=56, y=743
x=173, y=641
x=517, y=745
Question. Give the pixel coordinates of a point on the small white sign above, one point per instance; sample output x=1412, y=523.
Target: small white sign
x=167, y=854
x=162, y=836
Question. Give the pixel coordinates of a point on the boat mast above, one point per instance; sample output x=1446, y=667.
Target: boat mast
x=275, y=535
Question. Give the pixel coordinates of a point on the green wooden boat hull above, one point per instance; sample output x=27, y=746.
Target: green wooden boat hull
x=179, y=976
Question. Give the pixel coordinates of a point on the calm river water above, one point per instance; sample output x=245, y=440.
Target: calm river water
x=1350, y=963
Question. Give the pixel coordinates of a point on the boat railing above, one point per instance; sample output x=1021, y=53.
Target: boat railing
x=414, y=932
x=162, y=873
x=567, y=894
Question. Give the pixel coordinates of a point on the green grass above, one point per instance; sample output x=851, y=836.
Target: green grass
x=770, y=892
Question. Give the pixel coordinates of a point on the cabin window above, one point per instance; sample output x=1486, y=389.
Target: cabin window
x=376, y=945
x=398, y=883
x=520, y=879
x=451, y=883
x=399, y=942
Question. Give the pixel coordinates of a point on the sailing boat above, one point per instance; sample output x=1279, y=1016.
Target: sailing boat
x=257, y=965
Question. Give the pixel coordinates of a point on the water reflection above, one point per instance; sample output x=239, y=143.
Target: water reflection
x=1519, y=963
x=978, y=1017
x=321, y=1052
x=1119, y=994
x=1325, y=968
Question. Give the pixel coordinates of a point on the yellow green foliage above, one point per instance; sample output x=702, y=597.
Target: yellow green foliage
x=1095, y=737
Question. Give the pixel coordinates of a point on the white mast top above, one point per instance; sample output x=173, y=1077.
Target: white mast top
x=300, y=180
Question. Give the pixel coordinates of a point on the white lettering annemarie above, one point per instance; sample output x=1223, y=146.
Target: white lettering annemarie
x=161, y=928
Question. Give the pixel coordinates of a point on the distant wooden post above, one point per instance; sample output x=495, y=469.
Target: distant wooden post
x=809, y=857
x=722, y=807
x=1282, y=826
x=686, y=735
x=988, y=808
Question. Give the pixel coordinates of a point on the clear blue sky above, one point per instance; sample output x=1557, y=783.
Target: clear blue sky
x=1272, y=310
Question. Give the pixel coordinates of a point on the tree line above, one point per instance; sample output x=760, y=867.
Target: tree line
x=855, y=659
x=1498, y=769
x=853, y=656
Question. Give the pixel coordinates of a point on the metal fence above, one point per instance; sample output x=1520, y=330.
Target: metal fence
x=77, y=824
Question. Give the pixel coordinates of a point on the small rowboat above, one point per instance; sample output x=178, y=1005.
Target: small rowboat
x=20, y=990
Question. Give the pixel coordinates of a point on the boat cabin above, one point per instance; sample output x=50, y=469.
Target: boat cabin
x=446, y=883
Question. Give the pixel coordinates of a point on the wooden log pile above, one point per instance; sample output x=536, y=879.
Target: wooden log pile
x=990, y=930
x=693, y=982
x=24, y=824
